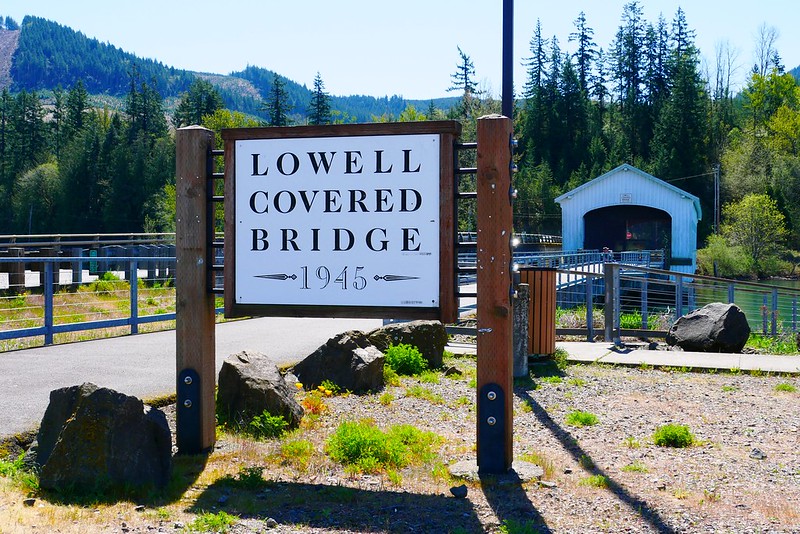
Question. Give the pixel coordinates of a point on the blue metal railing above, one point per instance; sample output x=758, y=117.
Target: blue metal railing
x=44, y=275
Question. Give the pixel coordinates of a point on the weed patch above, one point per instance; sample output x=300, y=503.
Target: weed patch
x=219, y=522
x=579, y=418
x=366, y=448
x=672, y=435
x=405, y=359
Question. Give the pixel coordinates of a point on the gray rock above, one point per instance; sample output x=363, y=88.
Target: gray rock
x=430, y=337
x=758, y=454
x=93, y=437
x=716, y=327
x=348, y=360
x=459, y=492
x=250, y=383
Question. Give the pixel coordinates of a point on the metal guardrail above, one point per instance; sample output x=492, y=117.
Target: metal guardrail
x=66, y=241
x=45, y=300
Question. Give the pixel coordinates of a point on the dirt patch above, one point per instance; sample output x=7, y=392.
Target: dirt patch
x=742, y=474
x=8, y=45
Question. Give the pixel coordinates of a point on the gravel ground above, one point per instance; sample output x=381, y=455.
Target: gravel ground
x=743, y=475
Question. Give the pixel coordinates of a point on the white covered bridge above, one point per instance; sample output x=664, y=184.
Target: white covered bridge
x=628, y=209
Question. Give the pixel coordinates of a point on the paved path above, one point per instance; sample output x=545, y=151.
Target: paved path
x=607, y=353
x=144, y=365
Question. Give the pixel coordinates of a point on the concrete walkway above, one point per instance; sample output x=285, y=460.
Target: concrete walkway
x=601, y=352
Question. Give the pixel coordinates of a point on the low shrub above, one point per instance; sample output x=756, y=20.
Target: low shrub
x=672, y=435
x=579, y=418
x=405, y=359
x=366, y=448
x=595, y=481
x=267, y=425
x=212, y=522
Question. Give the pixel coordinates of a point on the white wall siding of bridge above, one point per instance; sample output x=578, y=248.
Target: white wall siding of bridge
x=629, y=186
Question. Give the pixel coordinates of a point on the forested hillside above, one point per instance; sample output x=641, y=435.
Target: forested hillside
x=44, y=55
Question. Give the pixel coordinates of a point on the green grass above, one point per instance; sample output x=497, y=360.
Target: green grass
x=631, y=442
x=785, y=387
x=266, y=426
x=783, y=344
x=512, y=526
x=636, y=467
x=405, y=359
x=366, y=448
x=672, y=435
x=420, y=392
x=15, y=471
x=297, y=452
x=595, y=481
x=580, y=418
x=219, y=522
x=248, y=478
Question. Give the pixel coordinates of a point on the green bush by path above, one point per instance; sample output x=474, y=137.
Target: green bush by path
x=405, y=359
x=672, y=435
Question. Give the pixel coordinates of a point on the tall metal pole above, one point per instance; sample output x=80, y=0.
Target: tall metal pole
x=716, y=198
x=508, y=58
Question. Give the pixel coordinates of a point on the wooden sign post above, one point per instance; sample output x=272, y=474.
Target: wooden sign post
x=194, y=310
x=495, y=318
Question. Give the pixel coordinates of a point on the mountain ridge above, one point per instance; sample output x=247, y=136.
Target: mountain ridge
x=43, y=55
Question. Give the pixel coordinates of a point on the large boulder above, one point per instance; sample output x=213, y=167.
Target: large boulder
x=91, y=438
x=348, y=360
x=250, y=383
x=430, y=337
x=716, y=327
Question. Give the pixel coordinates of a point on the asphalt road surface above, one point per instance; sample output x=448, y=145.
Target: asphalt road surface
x=144, y=365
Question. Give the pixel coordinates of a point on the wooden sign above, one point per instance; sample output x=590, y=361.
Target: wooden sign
x=345, y=220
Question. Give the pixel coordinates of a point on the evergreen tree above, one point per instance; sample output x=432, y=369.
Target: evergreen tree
x=278, y=106
x=57, y=122
x=77, y=109
x=144, y=108
x=627, y=73
x=6, y=144
x=30, y=132
x=83, y=181
x=320, y=110
x=200, y=100
x=680, y=140
x=464, y=80
x=586, y=52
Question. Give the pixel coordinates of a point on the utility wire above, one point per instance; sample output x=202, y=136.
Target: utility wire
x=687, y=177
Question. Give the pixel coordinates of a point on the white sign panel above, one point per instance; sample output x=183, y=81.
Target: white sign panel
x=338, y=221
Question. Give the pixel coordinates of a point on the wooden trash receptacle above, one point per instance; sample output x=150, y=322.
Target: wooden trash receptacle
x=542, y=309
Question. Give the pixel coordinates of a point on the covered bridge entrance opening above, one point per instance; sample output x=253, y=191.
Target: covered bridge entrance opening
x=623, y=228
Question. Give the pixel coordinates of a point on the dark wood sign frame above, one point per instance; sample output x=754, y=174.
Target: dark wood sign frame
x=448, y=132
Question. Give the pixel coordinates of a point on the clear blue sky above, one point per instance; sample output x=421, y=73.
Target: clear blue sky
x=379, y=47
